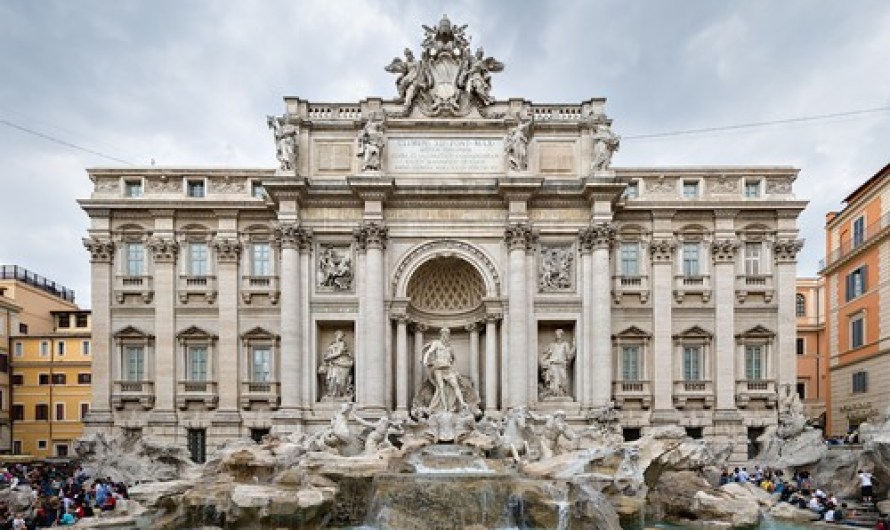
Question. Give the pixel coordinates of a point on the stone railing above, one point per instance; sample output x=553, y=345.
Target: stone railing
x=264, y=392
x=334, y=112
x=624, y=392
x=259, y=285
x=141, y=286
x=623, y=284
x=746, y=284
x=687, y=284
x=557, y=113
x=698, y=390
x=196, y=392
x=748, y=390
x=196, y=285
x=142, y=392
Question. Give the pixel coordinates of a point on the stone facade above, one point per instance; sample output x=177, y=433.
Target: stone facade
x=216, y=297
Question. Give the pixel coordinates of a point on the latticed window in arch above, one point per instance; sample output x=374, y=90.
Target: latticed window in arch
x=446, y=285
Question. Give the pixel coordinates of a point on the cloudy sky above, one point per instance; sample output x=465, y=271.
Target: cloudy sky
x=190, y=83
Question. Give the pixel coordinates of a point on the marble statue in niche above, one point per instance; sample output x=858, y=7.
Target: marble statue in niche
x=336, y=370
x=444, y=390
x=556, y=269
x=335, y=269
x=554, y=367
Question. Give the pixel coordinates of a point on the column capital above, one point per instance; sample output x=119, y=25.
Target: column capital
x=290, y=235
x=724, y=250
x=371, y=234
x=662, y=250
x=101, y=249
x=400, y=318
x=419, y=327
x=227, y=249
x=520, y=236
x=472, y=326
x=163, y=249
x=785, y=250
x=493, y=317
x=596, y=236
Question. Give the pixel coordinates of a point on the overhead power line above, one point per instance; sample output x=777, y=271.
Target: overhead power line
x=757, y=124
x=63, y=142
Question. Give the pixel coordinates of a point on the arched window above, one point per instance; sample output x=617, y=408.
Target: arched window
x=801, y=305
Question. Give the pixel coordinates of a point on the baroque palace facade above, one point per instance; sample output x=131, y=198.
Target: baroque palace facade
x=234, y=302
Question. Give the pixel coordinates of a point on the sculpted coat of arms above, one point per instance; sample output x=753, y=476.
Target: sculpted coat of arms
x=448, y=79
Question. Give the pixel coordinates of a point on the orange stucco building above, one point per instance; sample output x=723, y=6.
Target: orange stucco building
x=856, y=273
x=811, y=347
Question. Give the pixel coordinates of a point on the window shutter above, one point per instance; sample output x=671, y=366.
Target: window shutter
x=864, y=273
x=849, y=287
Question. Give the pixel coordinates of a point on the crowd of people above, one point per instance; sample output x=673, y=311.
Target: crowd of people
x=800, y=491
x=60, y=495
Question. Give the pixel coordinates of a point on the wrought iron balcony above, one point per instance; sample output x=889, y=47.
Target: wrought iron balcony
x=141, y=392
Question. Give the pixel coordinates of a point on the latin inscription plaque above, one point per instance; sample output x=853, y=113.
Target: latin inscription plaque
x=445, y=155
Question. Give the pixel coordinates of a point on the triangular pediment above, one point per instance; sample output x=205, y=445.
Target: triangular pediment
x=258, y=333
x=132, y=332
x=632, y=332
x=194, y=332
x=757, y=332
x=695, y=332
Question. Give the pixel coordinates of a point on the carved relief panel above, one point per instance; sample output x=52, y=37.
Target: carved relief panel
x=335, y=272
x=556, y=268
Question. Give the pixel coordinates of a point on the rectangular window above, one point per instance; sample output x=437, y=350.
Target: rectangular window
x=858, y=231
x=800, y=305
x=690, y=189
x=4, y=363
x=195, y=188
x=802, y=391
x=257, y=190
x=84, y=379
x=23, y=328
x=261, y=364
x=753, y=259
x=64, y=320
x=85, y=347
x=198, y=259
x=632, y=191
x=801, y=346
x=857, y=282
x=753, y=363
x=41, y=412
x=18, y=379
x=19, y=349
x=630, y=363
x=857, y=330
x=61, y=450
x=81, y=320
x=60, y=411
x=41, y=444
x=59, y=379
x=17, y=447
x=692, y=363
x=134, y=363
x=630, y=259
x=44, y=348
x=197, y=363
x=135, y=259
x=84, y=410
x=18, y=412
x=752, y=189
x=133, y=188
x=860, y=382
x=60, y=348
x=691, y=259
x=43, y=379
x=261, y=259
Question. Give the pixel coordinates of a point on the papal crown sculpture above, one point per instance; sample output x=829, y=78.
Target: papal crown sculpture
x=448, y=79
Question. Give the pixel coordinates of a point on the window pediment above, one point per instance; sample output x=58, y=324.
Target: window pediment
x=757, y=332
x=195, y=333
x=693, y=333
x=132, y=333
x=632, y=333
x=259, y=334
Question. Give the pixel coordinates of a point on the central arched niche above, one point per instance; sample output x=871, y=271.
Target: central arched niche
x=446, y=291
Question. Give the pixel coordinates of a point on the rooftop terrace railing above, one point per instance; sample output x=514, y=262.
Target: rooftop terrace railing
x=14, y=272
x=846, y=247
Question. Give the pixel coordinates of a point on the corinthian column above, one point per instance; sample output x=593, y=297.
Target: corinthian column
x=100, y=419
x=597, y=239
x=519, y=239
x=228, y=251
x=163, y=252
x=785, y=252
x=289, y=237
x=371, y=239
x=723, y=252
x=661, y=251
